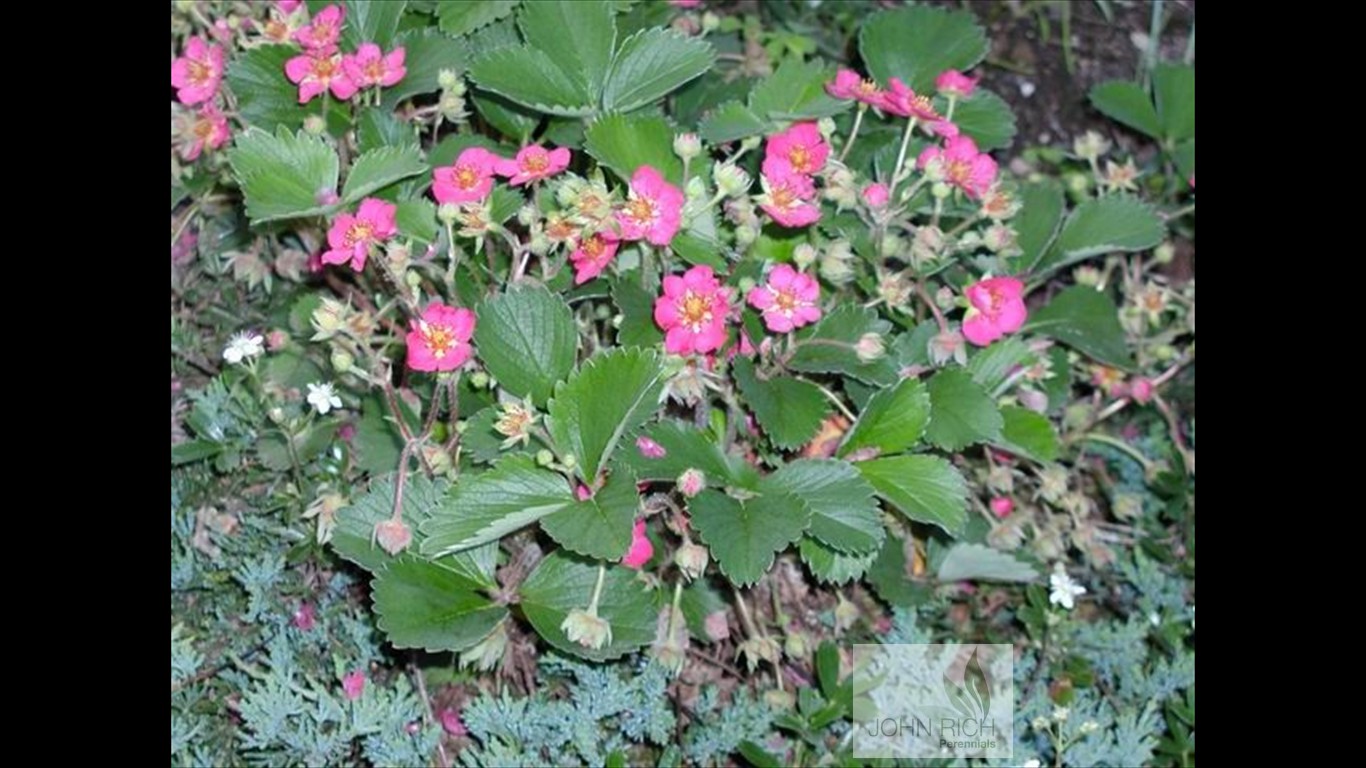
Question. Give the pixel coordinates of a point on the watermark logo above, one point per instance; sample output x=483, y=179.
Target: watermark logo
x=933, y=700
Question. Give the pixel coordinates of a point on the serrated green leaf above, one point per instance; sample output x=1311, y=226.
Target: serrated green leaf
x=637, y=327
x=511, y=120
x=917, y=43
x=449, y=148
x=992, y=366
x=378, y=442
x=1041, y=207
x=1128, y=103
x=685, y=447
x=926, y=489
x=529, y=77
x=504, y=202
x=696, y=249
x=829, y=565
x=376, y=128
x=789, y=410
x=843, y=513
x=1101, y=226
x=487, y=506
x=460, y=17
x=354, y=536
x=796, y=91
x=612, y=393
x=426, y=53
x=527, y=339
x=830, y=346
x=416, y=219
x=379, y=168
x=744, y=537
x=194, y=450
x=599, y=527
x=1088, y=321
x=282, y=175
x=650, y=65
x=420, y=604
x=563, y=583
x=729, y=122
x=987, y=118
x=1184, y=157
x=371, y=22
x=976, y=562
x=624, y=143
x=265, y=97
x=479, y=441
x=1029, y=434
x=1174, y=90
x=890, y=578
x=893, y=420
x=578, y=37
x=961, y=412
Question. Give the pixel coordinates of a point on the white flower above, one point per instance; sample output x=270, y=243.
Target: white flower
x=1062, y=589
x=242, y=346
x=1032, y=763
x=323, y=398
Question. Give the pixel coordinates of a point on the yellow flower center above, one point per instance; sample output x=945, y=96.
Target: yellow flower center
x=203, y=129
x=375, y=69
x=536, y=162
x=785, y=301
x=438, y=338
x=958, y=171
x=642, y=210
x=800, y=158
x=324, y=69
x=695, y=310
x=594, y=246
x=867, y=87
x=199, y=72
x=783, y=197
x=359, y=232
x=466, y=177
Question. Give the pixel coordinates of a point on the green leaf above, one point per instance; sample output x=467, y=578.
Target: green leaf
x=612, y=393
x=892, y=421
x=843, y=513
x=511, y=120
x=891, y=579
x=829, y=565
x=265, y=97
x=599, y=527
x=686, y=447
x=926, y=489
x=961, y=412
x=789, y=410
x=426, y=53
x=282, y=175
x=504, y=203
x=917, y=43
x=829, y=347
x=577, y=36
x=1184, y=157
x=744, y=537
x=460, y=17
x=637, y=327
x=992, y=366
x=376, y=128
x=449, y=148
x=796, y=91
x=563, y=583
x=1088, y=321
x=531, y=79
x=1128, y=103
x=729, y=122
x=354, y=536
x=1037, y=222
x=417, y=219
x=759, y=757
x=1174, y=87
x=1104, y=225
x=624, y=143
x=650, y=65
x=696, y=249
x=379, y=168
x=976, y=562
x=420, y=604
x=194, y=450
x=487, y=506
x=371, y=22
x=1029, y=434
x=527, y=340
x=986, y=118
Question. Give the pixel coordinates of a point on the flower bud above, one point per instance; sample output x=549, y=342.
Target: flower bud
x=545, y=458
x=342, y=360
x=731, y=180
x=941, y=190
x=804, y=256
x=328, y=319
x=587, y=629
x=314, y=125
x=1087, y=276
x=692, y=560
x=393, y=536
x=1090, y=145
x=1164, y=253
x=710, y=22
x=751, y=142
x=447, y=79
x=870, y=347
x=687, y=146
x=691, y=482
x=797, y=645
x=448, y=213
x=835, y=263
x=826, y=126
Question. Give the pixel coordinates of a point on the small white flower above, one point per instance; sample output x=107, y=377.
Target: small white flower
x=1062, y=589
x=242, y=346
x=323, y=398
x=1032, y=762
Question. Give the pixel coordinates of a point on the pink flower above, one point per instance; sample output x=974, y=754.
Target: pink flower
x=318, y=71
x=533, y=163
x=209, y=131
x=849, y=85
x=942, y=128
x=351, y=237
x=951, y=82
x=353, y=684
x=692, y=312
x=1001, y=506
x=288, y=6
x=452, y=724
x=788, y=300
x=901, y=100
x=962, y=165
x=322, y=33
x=641, y=549
x=469, y=180
x=650, y=449
x=196, y=75
x=691, y=482
x=654, y=210
x=583, y=492
x=440, y=341
x=304, y=617
x=369, y=66
x=875, y=195
x=799, y=149
x=393, y=536
x=592, y=256
x=997, y=308
x=1141, y=390
x=787, y=198
x=686, y=3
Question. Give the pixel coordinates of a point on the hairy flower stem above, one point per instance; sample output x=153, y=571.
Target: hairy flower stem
x=597, y=589
x=901, y=159
x=853, y=132
x=934, y=308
